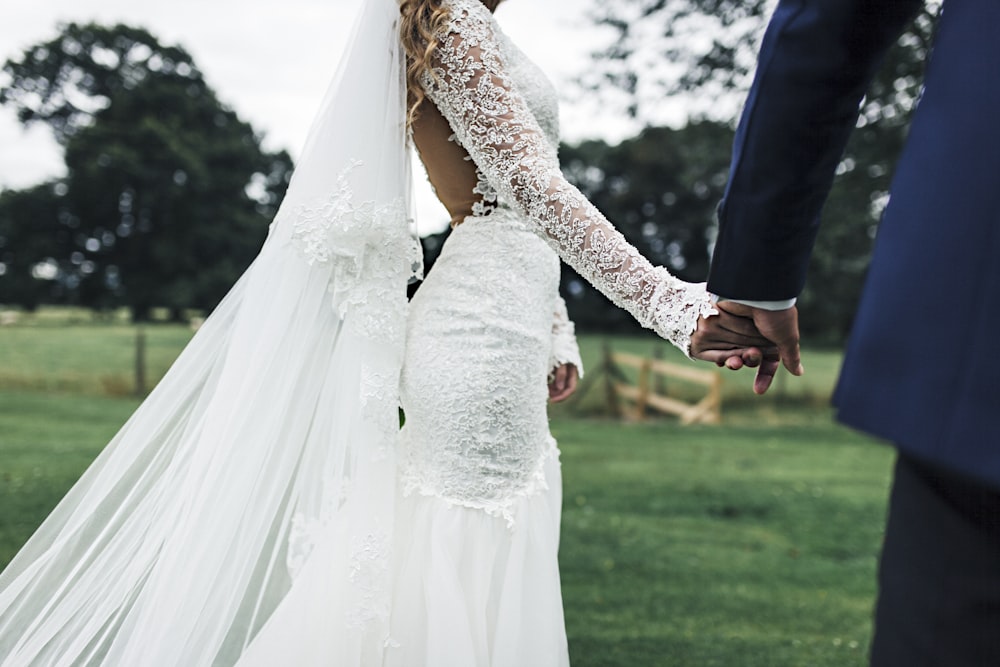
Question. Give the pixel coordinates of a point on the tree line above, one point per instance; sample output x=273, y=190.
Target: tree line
x=168, y=194
x=704, y=51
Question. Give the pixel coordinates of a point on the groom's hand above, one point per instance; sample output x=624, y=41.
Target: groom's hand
x=730, y=340
x=781, y=328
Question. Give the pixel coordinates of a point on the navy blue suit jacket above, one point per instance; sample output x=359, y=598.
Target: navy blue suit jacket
x=919, y=368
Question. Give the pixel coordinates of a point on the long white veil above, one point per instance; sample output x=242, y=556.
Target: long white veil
x=272, y=433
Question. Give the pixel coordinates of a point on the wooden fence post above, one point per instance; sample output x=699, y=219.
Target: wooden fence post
x=661, y=379
x=140, y=361
x=608, y=366
x=642, y=397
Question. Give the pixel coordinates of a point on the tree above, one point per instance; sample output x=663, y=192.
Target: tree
x=65, y=81
x=168, y=192
x=660, y=190
x=704, y=51
x=28, y=253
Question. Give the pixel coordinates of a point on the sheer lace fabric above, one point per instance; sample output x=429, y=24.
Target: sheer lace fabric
x=476, y=575
x=473, y=83
x=479, y=348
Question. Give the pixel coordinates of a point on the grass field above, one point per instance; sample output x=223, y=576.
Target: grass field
x=732, y=546
x=748, y=544
x=94, y=358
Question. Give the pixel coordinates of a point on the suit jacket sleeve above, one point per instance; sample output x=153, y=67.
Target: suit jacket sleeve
x=816, y=60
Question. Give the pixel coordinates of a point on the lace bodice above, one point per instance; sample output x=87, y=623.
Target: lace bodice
x=505, y=117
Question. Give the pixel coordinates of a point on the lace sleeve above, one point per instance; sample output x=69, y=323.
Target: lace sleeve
x=468, y=83
x=564, y=347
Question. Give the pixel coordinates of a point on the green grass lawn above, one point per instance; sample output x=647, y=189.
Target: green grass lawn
x=46, y=442
x=86, y=359
x=742, y=545
x=95, y=358
x=748, y=544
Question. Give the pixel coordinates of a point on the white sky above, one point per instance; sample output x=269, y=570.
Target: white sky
x=268, y=62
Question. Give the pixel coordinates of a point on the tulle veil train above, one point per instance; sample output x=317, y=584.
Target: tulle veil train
x=269, y=443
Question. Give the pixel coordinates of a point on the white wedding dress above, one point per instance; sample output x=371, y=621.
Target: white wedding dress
x=432, y=546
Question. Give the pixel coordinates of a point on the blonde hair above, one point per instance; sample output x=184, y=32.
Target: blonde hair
x=421, y=20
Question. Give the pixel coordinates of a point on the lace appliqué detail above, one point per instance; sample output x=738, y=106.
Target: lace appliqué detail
x=311, y=225
x=474, y=388
x=503, y=505
x=369, y=575
x=379, y=390
x=368, y=255
x=488, y=203
x=306, y=528
x=369, y=249
x=476, y=90
x=301, y=541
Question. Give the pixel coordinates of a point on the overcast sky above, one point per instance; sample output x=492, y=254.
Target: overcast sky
x=268, y=61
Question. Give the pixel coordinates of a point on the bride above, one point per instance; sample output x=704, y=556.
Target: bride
x=262, y=507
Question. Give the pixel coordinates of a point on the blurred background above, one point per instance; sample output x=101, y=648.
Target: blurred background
x=145, y=147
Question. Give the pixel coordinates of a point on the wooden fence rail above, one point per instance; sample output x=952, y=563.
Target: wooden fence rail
x=634, y=401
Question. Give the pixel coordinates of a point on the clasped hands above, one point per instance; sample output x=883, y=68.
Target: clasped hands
x=741, y=336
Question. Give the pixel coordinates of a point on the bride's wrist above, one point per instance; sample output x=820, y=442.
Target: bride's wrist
x=676, y=307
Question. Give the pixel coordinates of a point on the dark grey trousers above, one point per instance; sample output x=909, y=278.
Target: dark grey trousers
x=939, y=576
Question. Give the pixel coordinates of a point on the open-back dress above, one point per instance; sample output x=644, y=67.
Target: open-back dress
x=227, y=524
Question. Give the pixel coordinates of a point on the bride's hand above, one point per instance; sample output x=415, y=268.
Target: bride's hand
x=563, y=382
x=732, y=340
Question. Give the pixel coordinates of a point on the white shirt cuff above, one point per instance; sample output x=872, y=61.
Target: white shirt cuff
x=783, y=304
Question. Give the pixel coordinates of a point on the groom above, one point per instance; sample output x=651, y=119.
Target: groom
x=920, y=366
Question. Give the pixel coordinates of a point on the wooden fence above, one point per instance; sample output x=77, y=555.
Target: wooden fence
x=649, y=393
